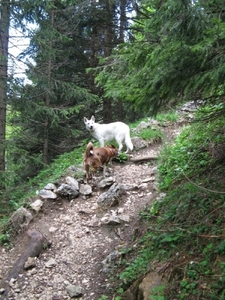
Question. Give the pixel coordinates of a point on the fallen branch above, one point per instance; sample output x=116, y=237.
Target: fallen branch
x=33, y=249
x=143, y=158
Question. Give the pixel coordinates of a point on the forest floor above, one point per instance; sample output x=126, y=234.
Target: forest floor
x=79, y=240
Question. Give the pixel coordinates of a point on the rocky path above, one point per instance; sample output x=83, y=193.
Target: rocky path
x=76, y=263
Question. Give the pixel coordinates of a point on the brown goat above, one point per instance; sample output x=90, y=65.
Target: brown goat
x=95, y=157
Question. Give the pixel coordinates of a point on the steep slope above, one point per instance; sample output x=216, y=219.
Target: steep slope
x=80, y=241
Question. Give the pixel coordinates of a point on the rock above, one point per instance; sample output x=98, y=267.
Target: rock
x=108, y=181
x=37, y=205
x=148, y=284
x=2, y=291
x=110, y=261
x=153, y=123
x=58, y=297
x=85, y=189
x=53, y=229
x=51, y=263
x=130, y=187
x=141, y=126
x=124, y=218
x=160, y=197
x=110, y=220
x=75, y=171
x=71, y=169
x=74, y=290
x=72, y=182
x=154, y=170
x=50, y=187
x=47, y=194
x=30, y=263
x=139, y=143
x=21, y=218
x=12, y=281
x=111, y=197
x=191, y=106
x=66, y=190
x=148, y=179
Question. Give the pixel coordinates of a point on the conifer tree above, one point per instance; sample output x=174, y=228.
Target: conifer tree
x=178, y=56
x=47, y=114
x=50, y=118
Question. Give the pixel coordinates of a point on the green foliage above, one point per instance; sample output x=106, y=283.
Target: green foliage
x=151, y=134
x=185, y=225
x=165, y=62
x=16, y=197
x=191, y=150
x=170, y=116
x=103, y=297
x=122, y=157
x=4, y=239
x=137, y=122
x=59, y=166
x=157, y=293
x=137, y=267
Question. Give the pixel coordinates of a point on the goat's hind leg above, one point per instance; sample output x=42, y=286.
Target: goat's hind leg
x=104, y=170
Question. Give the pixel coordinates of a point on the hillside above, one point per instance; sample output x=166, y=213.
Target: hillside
x=84, y=243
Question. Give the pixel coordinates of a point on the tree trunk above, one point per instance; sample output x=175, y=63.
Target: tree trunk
x=107, y=110
x=108, y=46
x=47, y=99
x=4, y=36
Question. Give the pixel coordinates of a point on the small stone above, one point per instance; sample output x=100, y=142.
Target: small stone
x=47, y=194
x=148, y=179
x=50, y=187
x=2, y=291
x=30, y=263
x=32, y=272
x=51, y=263
x=124, y=218
x=12, y=280
x=57, y=297
x=110, y=220
x=85, y=189
x=36, y=205
x=21, y=218
x=106, y=182
x=52, y=229
x=74, y=290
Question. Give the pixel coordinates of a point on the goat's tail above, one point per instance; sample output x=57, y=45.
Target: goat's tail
x=128, y=142
x=89, y=150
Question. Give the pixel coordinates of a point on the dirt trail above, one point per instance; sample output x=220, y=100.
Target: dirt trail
x=79, y=240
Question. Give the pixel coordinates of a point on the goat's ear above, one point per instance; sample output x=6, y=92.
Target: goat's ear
x=93, y=118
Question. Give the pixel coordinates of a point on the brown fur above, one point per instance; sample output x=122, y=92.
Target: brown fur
x=95, y=157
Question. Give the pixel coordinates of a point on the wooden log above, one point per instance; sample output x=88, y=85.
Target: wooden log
x=143, y=158
x=36, y=243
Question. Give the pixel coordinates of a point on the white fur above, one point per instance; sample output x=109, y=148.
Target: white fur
x=107, y=132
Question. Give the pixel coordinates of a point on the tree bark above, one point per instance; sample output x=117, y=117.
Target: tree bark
x=4, y=37
x=47, y=99
x=143, y=158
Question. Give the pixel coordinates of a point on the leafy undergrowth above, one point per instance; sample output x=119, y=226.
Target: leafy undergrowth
x=186, y=232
